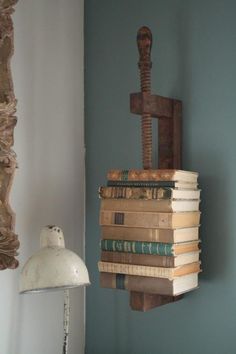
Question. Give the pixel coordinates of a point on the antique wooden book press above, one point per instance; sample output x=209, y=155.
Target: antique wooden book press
x=168, y=111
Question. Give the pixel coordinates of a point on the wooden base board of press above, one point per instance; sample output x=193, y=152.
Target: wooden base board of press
x=140, y=301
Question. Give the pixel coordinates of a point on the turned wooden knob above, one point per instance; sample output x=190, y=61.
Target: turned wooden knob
x=144, y=41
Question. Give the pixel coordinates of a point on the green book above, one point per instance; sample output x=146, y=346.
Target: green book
x=140, y=247
x=154, y=248
x=125, y=183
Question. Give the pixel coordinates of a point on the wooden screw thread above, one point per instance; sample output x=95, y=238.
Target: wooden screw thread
x=146, y=120
x=144, y=40
x=145, y=76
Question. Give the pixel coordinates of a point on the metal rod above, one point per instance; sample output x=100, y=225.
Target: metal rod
x=66, y=320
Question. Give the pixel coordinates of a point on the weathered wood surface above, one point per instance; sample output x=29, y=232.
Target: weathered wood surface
x=143, y=302
x=168, y=111
x=169, y=138
x=9, y=243
x=157, y=106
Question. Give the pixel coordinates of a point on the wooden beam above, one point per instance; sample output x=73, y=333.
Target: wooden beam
x=177, y=134
x=156, y=106
x=169, y=139
x=143, y=302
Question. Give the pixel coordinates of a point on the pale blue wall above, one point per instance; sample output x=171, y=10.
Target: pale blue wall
x=194, y=59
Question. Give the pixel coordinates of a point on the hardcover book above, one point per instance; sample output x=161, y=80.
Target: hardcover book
x=147, y=193
x=148, y=271
x=150, y=260
x=150, y=219
x=152, y=184
x=149, y=285
x=152, y=175
x=117, y=232
x=167, y=205
x=161, y=249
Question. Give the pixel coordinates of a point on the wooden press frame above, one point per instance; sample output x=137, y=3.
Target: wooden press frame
x=168, y=111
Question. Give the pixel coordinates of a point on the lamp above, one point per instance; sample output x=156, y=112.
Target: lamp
x=54, y=267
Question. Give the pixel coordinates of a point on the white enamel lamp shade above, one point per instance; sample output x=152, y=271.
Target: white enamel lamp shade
x=53, y=267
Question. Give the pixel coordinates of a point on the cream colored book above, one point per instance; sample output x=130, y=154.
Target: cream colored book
x=117, y=232
x=167, y=205
x=147, y=271
x=150, y=219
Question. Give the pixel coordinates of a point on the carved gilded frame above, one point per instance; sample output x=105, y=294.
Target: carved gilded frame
x=8, y=239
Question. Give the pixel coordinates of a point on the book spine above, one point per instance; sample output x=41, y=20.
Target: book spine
x=148, y=271
x=131, y=269
x=138, y=184
x=138, y=219
x=145, y=175
x=150, y=285
x=150, y=219
x=138, y=234
x=152, y=175
x=136, y=205
x=139, y=259
x=135, y=193
x=162, y=249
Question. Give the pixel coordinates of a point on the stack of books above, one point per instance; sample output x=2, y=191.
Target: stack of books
x=150, y=231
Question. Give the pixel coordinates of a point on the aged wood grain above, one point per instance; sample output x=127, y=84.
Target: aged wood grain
x=157, y=106
x=143, y=302
x=9, y=243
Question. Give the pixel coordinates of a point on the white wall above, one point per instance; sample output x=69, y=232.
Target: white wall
x=49, y=185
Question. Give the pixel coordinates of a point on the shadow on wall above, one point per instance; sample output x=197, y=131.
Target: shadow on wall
x=215, y=230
